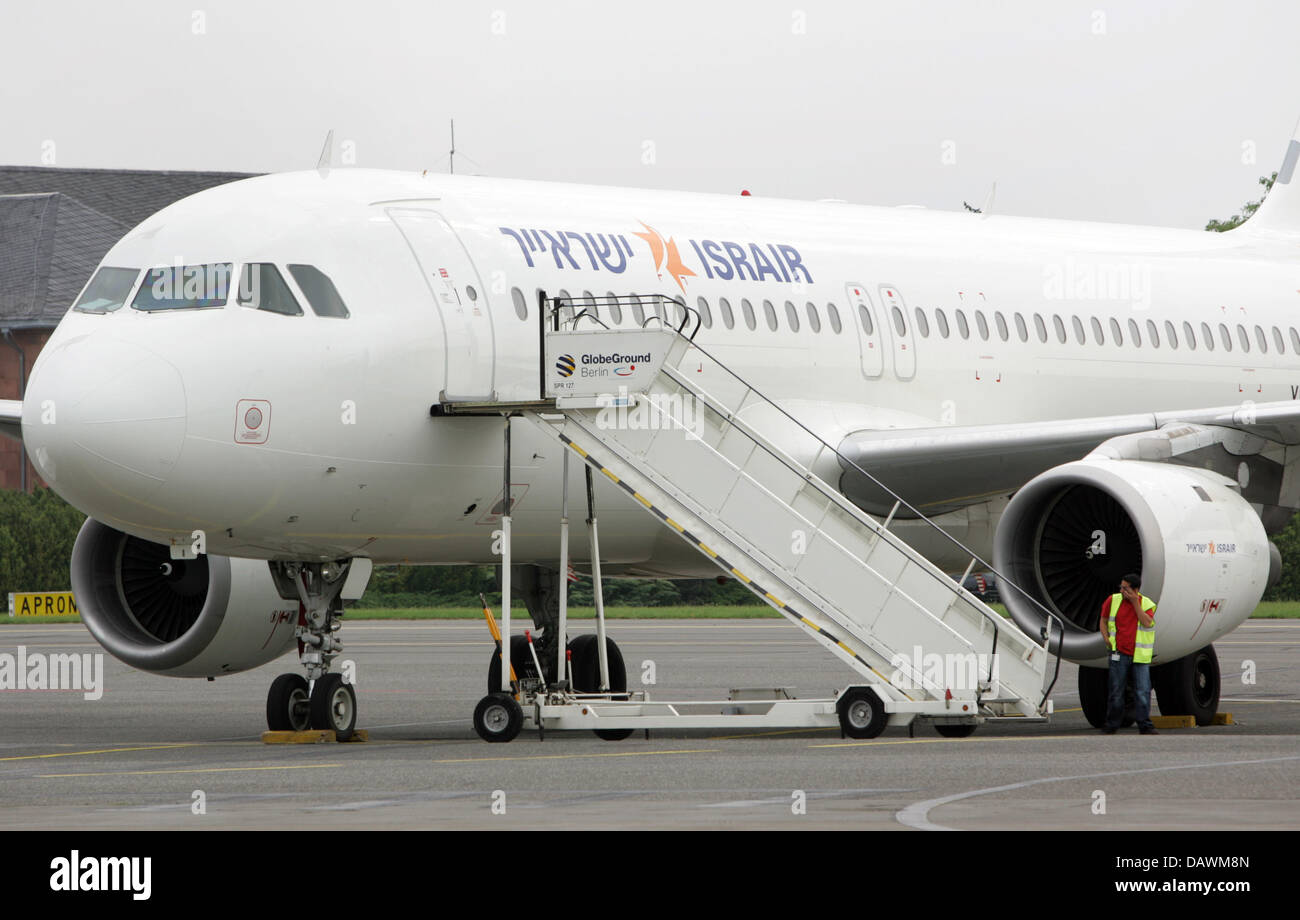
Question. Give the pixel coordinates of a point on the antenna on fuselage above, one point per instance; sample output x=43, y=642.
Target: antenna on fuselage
x=326, y=154
x=451, y=154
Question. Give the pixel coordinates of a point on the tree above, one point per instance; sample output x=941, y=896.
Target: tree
x=1247, y=211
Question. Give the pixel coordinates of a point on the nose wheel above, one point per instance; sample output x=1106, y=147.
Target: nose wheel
x=334, y=706
x=288, y=704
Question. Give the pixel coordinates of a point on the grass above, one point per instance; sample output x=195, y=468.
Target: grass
x=1269, y=610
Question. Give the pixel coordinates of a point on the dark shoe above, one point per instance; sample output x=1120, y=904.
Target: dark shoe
x=1108, y=730
x=1148, y=731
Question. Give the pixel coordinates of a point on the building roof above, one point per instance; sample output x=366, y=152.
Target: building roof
x=57, y=224
x=126, y=195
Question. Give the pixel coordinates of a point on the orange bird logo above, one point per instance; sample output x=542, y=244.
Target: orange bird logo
x=666, y=257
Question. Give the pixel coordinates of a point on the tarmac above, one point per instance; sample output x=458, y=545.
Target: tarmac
x=163, y=753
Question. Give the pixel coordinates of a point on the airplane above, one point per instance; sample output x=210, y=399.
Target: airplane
x=244, y=401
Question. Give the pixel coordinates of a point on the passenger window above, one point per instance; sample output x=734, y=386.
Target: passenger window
x=262, y=287
x=1171, y=336
x=638, y=316
x=814, y=320
x=107, y=291
x=706, y=316
x=1243, y=338
x=184, y=287
x=521, y=305
x=792, y=315
x=865, y=315
x=1207, y=337
x=1134, y=334
x=1059, y=325
x=1278, y=342
x=748, y=309
x=1078, y=329
x=1262, y=340
x=982, y=324
x=1003, y=333
x=1189, y=336
x=900, y=324
x=728, y=318
x=1097, y=335
x=922, y=324
x=1295, y=340
x=963, y=328
x=1040, y=327
x=833, y=314
x=588, y=305
x=1115, y=334
x=1153, y=334
x=321, y=294
x=942, y=322
x=1225, y=337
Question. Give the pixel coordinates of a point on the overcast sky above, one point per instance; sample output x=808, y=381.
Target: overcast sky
x=1140, y=112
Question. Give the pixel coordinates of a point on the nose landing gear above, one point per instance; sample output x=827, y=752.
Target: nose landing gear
x=323, y=699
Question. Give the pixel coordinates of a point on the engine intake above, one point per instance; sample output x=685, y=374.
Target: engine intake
x=184, y=618
x=1071, y=534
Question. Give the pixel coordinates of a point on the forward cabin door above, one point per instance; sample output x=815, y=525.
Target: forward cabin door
x=457, y=291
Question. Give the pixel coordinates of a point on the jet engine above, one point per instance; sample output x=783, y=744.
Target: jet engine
x=1070, y=535
x=200, y=617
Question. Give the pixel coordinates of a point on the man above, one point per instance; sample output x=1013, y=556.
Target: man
x=1128, y=624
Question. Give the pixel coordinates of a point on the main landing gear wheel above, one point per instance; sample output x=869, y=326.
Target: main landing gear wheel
x=955, y=730
x=1189, y=686
x=288, y=704
x=334, y=706
x=861, y=713
x=498, y=717
x=1094, y=697
x=521, y=659
x=585, y=650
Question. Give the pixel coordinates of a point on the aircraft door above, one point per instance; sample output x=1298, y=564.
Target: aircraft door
x=901, y=339
x=461, y=299
x=869, y=332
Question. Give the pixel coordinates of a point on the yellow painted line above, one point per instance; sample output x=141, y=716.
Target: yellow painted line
x=609, y=474
x=305, y=766
x=581, y=452
x=773, y=598
x=708, y=550
x=154, y=747
x=741, y=575
x=575, y=756
x=642, y=499
x=842, y=744
x=674, y=525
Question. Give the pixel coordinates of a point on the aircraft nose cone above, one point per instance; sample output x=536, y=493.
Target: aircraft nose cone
x=103, y=418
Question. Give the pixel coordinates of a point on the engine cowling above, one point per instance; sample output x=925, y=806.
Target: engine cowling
x=199, y=617
x=1071, y=534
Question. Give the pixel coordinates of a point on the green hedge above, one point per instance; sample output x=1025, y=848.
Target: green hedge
x=37, y=531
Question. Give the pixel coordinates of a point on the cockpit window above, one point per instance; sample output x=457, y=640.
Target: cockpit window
x=319, y=291
x=262, y=287
x=107, y=291
x=184, y=287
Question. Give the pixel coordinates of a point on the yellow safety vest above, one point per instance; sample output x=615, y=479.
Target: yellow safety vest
x=1144, y=643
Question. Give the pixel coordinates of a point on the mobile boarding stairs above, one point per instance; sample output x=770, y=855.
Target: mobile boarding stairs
x=736, y=477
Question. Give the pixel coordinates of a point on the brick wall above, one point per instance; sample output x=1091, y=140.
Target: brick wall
x=31, y=342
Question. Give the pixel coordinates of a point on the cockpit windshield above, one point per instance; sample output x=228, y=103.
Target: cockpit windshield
x=107, y=291
x=184, y=287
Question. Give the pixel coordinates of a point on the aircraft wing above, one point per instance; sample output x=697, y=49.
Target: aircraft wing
x=945, y=468
x=11, y=418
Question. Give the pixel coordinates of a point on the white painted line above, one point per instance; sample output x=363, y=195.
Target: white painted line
x=917, y=815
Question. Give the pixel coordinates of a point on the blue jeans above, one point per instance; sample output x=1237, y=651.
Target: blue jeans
x=1118, y=678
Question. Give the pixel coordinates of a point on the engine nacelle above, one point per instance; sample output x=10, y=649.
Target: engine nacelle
x=199, y=617
x=1071, y=534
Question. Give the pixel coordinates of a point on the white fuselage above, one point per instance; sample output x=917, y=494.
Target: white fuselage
x=136, y=417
